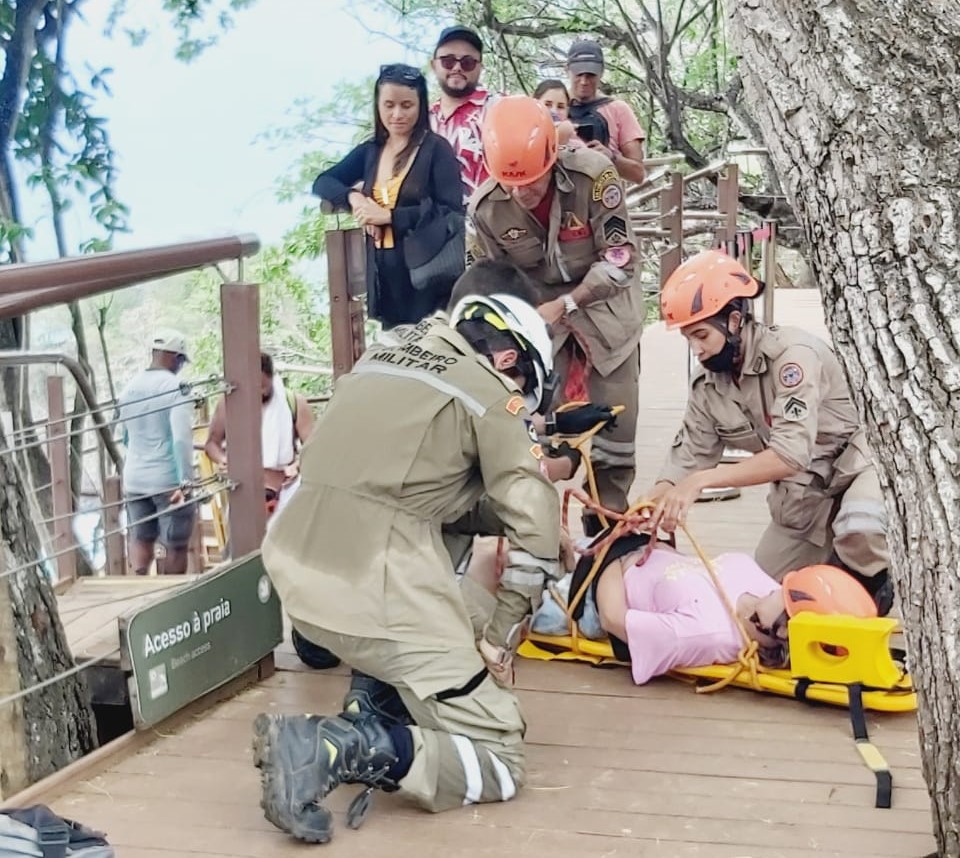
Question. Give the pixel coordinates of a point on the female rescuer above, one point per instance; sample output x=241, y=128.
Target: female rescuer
x=779, y=393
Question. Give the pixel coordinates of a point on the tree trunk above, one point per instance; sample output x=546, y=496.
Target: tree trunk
x=50, y=728
x=53, y=726
x=859, y=101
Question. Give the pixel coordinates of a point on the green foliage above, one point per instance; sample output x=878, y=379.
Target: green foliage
x=198, y=24
x=667, y=58
x=294, y=325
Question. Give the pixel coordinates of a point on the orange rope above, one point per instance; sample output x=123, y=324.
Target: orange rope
x=633, y=521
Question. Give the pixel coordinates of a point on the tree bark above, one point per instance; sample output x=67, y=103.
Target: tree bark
x=52, y=727
x=859, y=101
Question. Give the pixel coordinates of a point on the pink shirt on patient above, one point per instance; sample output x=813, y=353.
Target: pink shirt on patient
x=676, y=618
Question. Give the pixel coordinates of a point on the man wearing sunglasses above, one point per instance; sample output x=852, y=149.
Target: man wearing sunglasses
x=457, y=115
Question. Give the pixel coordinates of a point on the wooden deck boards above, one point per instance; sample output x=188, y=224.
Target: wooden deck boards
x=614, y=770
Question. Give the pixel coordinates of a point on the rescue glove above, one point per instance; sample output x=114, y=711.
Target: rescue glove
x=564, y=451
x=578, y=420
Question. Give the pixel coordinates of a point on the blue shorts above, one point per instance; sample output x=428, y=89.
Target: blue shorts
x=173, y=528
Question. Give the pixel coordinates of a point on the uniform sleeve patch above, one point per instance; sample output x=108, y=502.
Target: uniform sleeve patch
x=615, y=230
x=612, y=196
x=537, y=452
x=514, y=405
x=599, y=185
x=795, y=409
x=791, y=374
x=619, y=256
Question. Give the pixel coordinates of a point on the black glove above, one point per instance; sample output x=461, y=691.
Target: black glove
x=580, y=419
x=564, y=451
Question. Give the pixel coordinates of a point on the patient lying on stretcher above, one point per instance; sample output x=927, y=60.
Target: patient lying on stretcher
x=661, y=610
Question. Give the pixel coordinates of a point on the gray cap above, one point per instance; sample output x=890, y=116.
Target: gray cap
x=168, y=340
x=585, y=57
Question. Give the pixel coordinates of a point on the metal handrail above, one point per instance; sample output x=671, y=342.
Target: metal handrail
x=22, y=358
x=30, y=286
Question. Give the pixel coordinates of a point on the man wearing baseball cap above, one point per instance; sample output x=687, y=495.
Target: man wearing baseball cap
x=608, y=125
x=458, y=113
x=157, y=417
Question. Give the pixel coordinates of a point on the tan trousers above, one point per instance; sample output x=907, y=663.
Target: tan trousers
x=613, y=453
x=468, y=748
x=857, y=534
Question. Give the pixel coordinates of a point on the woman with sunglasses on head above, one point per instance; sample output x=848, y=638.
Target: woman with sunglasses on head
x=403, y=186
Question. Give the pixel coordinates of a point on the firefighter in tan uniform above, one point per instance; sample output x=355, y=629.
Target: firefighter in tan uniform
x=413, y=438
x=779, y=393
x=563, y=219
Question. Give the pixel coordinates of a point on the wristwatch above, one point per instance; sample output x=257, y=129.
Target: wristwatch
x=569, y=305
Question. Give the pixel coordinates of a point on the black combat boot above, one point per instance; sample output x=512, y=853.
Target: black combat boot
x=370, y=696
x=312, y=655
x=303, y=758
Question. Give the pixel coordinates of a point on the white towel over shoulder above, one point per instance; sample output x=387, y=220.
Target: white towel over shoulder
x=277, y=429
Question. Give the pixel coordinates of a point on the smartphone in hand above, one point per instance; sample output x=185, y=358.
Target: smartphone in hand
x=585, y=132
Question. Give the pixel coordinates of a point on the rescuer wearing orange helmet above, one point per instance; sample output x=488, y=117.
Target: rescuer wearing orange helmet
x=779, y=393
x=560, y=215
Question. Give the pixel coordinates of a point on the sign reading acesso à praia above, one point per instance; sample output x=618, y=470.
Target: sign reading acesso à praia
x=198, y=637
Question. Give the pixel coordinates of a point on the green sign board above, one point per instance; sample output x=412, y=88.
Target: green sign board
x=199, y=637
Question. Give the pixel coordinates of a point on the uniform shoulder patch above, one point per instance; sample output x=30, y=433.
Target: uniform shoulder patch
x=514, y=405
x=605, y=180
x=791, y=374
x=795, y=409
x=612, y=196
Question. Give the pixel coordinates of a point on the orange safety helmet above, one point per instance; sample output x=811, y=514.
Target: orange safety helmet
x=826, y=590
x=519, y=140
x=703, y=286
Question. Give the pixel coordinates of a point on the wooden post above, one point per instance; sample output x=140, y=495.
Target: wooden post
x=59, y=452
x=768, y=268
x=346, y=281
x=114, y=547
x=671, y=211
x=240, y=319
x=728, y=200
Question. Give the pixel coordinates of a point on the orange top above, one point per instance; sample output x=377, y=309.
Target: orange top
x=386, y=195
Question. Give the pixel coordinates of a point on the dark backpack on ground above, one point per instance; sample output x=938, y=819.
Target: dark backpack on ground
x=39, y=833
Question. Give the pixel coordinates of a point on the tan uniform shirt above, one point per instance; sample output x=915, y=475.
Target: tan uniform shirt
x=793, y=399
x=589, y=240
x=414, y=436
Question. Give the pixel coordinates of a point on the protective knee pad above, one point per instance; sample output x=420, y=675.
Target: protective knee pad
x=312, y=655
x=370, y=696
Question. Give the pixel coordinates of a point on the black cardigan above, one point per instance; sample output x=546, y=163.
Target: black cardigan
x=432, y=187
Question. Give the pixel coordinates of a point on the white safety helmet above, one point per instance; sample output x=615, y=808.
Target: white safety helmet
x=508, y=313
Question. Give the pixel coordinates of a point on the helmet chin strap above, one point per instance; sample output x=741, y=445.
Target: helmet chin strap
x=731, y=338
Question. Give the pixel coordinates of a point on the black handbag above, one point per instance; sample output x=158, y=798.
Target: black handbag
x=435, y=251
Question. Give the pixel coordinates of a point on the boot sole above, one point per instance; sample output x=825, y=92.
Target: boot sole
x=311, y=823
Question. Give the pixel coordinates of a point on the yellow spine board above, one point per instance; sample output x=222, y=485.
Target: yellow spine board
x=900, y=696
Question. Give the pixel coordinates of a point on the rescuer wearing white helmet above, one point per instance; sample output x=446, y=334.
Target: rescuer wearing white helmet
x=415, y=436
